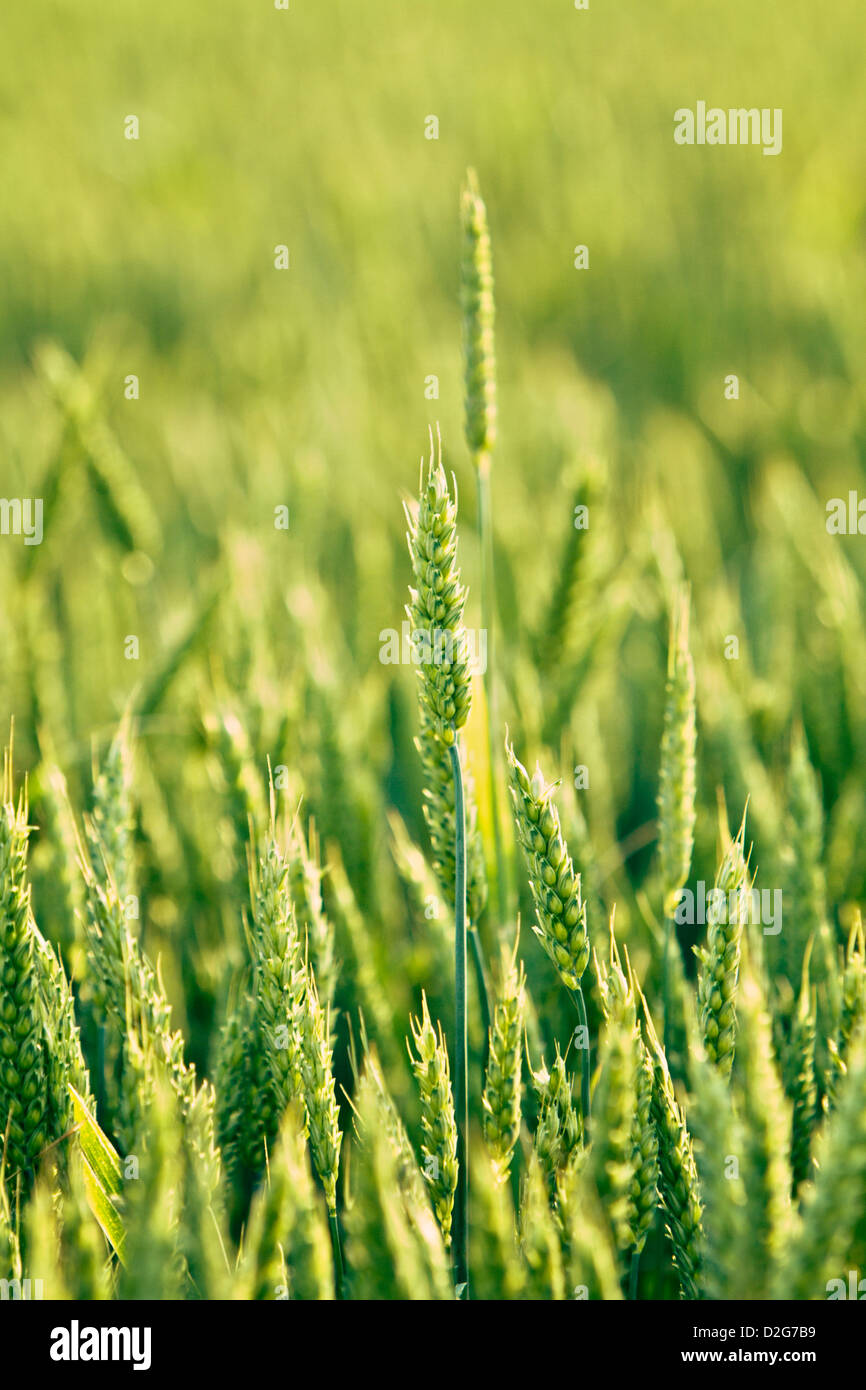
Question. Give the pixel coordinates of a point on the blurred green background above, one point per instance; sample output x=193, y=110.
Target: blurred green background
x=306, y=388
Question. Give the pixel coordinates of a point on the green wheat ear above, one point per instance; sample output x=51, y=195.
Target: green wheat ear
x=560, y=923
x=612, y=1157
x=502, y=1083
x=439, y=1150
x=803, y=882
x=436, y=617
x=24, y=1121
x=435, y=610
x=440, y=817
x=719, y=960
x=153, y=1268
x=718, y=1137
x=560, y=912
x=305, y=883
x=478, y=322
x=109, y=830
x=320, y=1099
x=558, y=1128
x=852, y=1010
x=639, y=1160
x=766, y=1119
x=278, y=976
x=829, y=1239
x=676, y=798
x=480, y=427
x=10, y=1248
x=679, y=1187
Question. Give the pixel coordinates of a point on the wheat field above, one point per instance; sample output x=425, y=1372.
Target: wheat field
x=433, y=830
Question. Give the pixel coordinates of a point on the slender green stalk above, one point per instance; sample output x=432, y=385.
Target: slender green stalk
x=482, y=986
x=585, y=1063
x=334, y=1228
x=460, y=1223
x=669, y=930
x=633, y=1275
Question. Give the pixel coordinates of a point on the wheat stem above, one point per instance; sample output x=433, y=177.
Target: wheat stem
x=633, y=1275
x=461, y=1095
x=669, y=931
x=483, y=987
x=585, y=1063
x=334, y=1228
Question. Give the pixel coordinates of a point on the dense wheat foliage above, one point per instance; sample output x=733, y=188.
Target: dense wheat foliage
x=247, y=816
